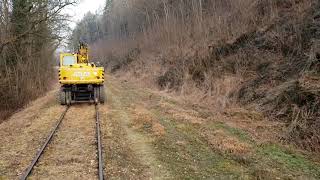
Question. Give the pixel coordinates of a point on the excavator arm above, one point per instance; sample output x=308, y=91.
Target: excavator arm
x=83, y=54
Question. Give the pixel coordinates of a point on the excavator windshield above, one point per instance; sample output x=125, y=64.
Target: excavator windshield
x=69, y=60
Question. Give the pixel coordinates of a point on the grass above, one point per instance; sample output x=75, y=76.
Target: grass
x=182, y=149
x=188, y=154
x=266, y=161
x=292, y=161
x=238, y=133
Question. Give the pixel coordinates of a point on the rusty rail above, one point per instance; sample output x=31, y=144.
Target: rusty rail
x=99, y=145
x=40, y=152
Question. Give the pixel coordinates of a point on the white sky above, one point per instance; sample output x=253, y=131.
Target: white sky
x=77, y=12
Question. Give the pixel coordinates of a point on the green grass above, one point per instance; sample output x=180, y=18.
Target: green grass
x=292, y=161
x=194, y=158
x=235, y=132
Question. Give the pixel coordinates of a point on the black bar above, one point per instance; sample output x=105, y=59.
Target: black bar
x=100, y=164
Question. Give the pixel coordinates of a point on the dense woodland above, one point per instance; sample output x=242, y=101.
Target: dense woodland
x=30, y=32
x=259, y=54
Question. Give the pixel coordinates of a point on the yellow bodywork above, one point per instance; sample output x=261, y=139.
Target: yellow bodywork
x=74, y=70
x=80, y=80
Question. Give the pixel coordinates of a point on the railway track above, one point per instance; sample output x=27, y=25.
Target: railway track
x=40, y=152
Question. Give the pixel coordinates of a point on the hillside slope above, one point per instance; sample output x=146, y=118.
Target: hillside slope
x=260, y=54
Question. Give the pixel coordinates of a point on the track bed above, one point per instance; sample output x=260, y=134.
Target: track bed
x=72, y=152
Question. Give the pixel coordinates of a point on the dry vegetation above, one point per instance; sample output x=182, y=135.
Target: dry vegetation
x=30, y=32
x=261, y=54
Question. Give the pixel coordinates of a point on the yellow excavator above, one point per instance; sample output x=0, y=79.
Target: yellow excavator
x=80, y=80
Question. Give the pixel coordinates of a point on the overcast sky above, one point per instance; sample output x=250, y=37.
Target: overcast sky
x=77, y=12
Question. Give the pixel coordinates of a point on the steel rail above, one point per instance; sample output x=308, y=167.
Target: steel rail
x=99, y=146
x=40, y=152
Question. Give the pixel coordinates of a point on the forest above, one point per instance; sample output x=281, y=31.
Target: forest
x=30, y=32
x=261, y=54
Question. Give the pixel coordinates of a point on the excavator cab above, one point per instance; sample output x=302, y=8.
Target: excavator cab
x=81, y=57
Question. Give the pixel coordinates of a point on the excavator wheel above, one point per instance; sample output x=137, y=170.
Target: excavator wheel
x=62, y=97
x=68, y=97
x=96, y=95
x=102, y=94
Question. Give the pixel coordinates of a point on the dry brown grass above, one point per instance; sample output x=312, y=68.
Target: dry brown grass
x=158, y=129
x=260, y=128
x=143, y=120
x=225, y=143
x=141, y=117
x=180, y=114
x=216, y=92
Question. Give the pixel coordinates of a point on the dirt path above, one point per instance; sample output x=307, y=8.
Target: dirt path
x=149, y=135
x=129, y=153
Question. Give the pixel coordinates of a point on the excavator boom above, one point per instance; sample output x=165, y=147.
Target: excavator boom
x=83, y=54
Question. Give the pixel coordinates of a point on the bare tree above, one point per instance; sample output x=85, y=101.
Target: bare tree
x=29, y=34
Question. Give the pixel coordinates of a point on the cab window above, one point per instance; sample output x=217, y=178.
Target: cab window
x=69, y=60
